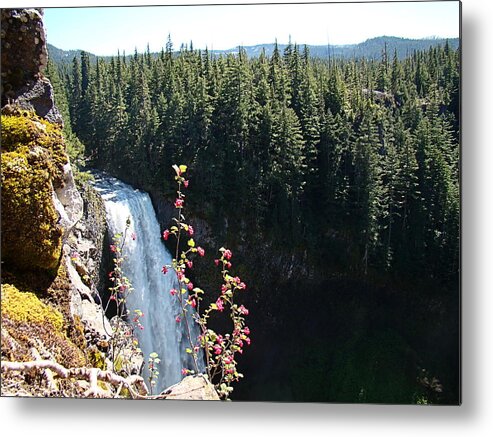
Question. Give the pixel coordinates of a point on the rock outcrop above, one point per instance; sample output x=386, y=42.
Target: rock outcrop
x=24, y=58
x=52, y=240
x=192, y=388
x=51, y=245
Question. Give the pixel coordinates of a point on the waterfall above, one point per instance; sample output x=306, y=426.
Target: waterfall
x=144, y=258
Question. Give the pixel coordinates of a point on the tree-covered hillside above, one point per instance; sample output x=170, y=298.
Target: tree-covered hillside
x=370, y=49
x=351, y=165
x=320, y=153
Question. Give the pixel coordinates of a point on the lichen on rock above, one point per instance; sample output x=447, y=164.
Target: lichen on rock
x=28, y=322
x=48, y=306
x=27, y=308
x=32, y=166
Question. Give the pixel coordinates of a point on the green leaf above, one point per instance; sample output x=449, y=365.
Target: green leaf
x=188, y=350
x=153, y=355
x=183, y=168
x=191, y=243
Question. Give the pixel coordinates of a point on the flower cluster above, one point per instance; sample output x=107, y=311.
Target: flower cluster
x=125, y=322
x=152, y=365
x=121, y=286
x=220, y=349
x=138, y=314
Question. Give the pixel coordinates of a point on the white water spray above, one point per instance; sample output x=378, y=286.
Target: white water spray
x=144, y=258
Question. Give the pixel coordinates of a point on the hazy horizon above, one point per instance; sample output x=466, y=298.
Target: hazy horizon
x=176, y=48
x=104, y=31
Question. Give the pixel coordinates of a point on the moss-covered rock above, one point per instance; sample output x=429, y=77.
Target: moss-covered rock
x=28, y=322
x=32, y=166
x=27, y=308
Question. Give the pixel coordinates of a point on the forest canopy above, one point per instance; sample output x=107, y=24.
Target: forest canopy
x=318, y=153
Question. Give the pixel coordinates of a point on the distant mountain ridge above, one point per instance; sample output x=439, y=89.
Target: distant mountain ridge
x=370, y=49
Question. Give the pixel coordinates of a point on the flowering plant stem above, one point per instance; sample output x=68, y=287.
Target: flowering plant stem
x=219, y=350
x=123, y=332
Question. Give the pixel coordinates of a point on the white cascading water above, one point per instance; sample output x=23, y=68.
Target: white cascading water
x=144, y=259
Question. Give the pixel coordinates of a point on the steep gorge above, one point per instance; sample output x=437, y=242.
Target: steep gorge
x=318, y=332
x=56, y=339
x=52, y=231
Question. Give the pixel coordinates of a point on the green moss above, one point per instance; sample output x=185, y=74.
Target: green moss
x=15, y=131
x=96, y=358
x=25, y=307
x=32, y=166
x=29, y=321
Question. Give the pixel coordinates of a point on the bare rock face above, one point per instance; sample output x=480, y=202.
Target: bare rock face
x=24, y=58
x=39, y=97
x=68, y=201
x=194, y=388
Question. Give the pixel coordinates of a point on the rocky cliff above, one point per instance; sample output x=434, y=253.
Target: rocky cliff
x=24, y=58
x=55, y=337
x=51, y=234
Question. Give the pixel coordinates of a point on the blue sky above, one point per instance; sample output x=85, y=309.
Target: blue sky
x=104, y=30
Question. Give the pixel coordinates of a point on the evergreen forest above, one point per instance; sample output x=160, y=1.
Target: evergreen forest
x=336, y=183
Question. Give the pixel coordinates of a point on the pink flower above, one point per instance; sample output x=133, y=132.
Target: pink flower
x=112, y=297
x=217, y=349
x=190, y=230
x=172, y=292
x=224, y=288
x=246, y=330
x=185, y=183
x=219, y=339
x=179, y=203
x=190, y=286
x=134, y=236
x=200, y=251
x=189, y=264
x=228, y=359
x=164, y=269
x=216, y=262
x=237, y=279
x=242, y=285
x=177, y=319
x=180, y=275
x=113, y=248
x=184, y=371
x=193, y=303
x=228, y=254
x=243, y=310
x=248, y=341
x=228, y=265
x=219, y=303
x=229, y=371
x=166, y=234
